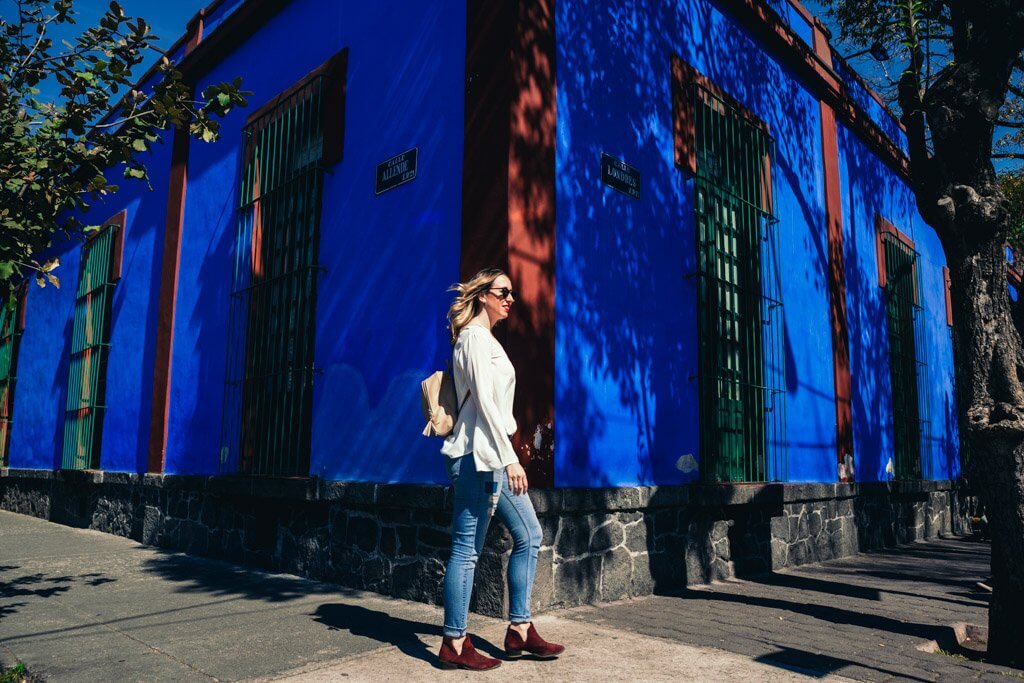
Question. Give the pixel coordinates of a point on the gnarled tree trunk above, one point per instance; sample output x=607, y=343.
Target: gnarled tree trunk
x=958, y=194
x=990, y=354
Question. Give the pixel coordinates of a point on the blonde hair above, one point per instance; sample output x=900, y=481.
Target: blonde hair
x=466, y=305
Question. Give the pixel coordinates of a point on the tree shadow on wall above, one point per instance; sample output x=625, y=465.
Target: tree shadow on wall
x=871, y=193
x=627, y=300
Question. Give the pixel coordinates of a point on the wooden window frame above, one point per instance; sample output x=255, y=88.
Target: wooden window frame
x=684, y=77
x=118, y=222
x=884, y=227
x=335, y=73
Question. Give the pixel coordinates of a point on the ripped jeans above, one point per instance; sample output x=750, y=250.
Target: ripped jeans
x=477, y=496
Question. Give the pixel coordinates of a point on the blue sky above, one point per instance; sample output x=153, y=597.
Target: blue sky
x=872, y=71
x=167, y=20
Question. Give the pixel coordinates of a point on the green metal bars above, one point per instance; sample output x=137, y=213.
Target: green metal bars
x=906, y=366
x=741, y=357
x=10, y=336
x=268, y=392
x=90, y=344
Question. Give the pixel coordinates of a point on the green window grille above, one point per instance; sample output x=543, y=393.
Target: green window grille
x=907, y=369
x=742, y=395
x=90, y=346
x=269, y=386
x=10, y=337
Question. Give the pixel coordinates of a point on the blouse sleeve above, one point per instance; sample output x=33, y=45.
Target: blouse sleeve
x=480, y=380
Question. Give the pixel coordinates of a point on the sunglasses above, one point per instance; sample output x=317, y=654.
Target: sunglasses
x=504, y=292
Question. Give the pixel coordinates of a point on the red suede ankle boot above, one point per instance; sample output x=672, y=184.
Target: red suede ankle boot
x=534, y=644
x=469, y=659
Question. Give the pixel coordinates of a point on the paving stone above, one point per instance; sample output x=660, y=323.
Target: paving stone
x=860, y=617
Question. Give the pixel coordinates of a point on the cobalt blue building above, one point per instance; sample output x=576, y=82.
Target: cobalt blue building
x=733, y=341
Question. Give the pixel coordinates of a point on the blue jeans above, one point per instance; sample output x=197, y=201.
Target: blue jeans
x=477, y=496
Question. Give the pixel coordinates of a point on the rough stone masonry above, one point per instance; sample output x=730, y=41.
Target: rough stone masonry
x=599, y=544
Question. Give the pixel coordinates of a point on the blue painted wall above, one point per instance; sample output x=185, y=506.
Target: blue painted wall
x=626, y=330
x=41, y=392
x=794, y=19
x=389, y=259
x=626, y=326
x=871, y=188
x=878, y=114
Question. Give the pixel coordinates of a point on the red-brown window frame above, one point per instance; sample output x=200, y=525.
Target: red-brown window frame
x=335, y=73
x=119, y=219
x=884, y=227
x=684, y=77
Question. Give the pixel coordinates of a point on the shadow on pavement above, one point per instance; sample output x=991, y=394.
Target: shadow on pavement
x=798, y=582
x=829, y=614
x=404, y=634
x=39, y=585
x=806, y=583
x=215, y=577
x=819, y=666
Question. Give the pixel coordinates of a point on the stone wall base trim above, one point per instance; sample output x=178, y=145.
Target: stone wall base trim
x=598, y=544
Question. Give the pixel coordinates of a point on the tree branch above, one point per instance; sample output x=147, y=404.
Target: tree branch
x=125, y=120
x=909, y=91
x=35, y=46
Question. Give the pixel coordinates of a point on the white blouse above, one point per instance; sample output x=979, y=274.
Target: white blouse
x=485, y=423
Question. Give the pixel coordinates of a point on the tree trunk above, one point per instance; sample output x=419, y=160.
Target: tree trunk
x=989, y=350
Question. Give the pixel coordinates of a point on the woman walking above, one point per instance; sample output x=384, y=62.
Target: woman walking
x=486, y=475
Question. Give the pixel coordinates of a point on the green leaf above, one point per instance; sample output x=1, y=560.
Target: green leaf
x=55, y=161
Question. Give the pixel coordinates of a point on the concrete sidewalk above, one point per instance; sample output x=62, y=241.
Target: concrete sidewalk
x=78, y=605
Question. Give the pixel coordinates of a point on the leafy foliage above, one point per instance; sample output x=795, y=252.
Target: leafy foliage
x=56, y=156
x=1013, y=187
x=15, y=674
x=922, y=38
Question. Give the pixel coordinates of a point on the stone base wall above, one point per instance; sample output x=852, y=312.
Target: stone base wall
x=598, y=545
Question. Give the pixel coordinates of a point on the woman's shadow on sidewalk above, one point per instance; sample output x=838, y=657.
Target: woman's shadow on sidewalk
x=406, y=635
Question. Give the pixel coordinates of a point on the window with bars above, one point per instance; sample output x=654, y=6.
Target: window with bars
x=741, y=354
x=90, y=347
x=268, y=392
x=904, y=313
x=12, y=321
